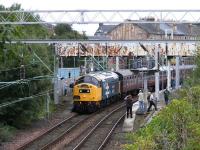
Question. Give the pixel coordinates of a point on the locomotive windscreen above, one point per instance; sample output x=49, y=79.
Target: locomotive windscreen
x=88, y=79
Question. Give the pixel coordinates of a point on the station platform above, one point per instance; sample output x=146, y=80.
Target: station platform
x=130, y=124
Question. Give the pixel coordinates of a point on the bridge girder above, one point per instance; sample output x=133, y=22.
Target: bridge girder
x=97, y=16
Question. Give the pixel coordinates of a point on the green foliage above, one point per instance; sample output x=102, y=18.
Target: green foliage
x=11, y=59
x=196, y=74
x=194, y=78
x=6, y=132
x=175, y=127
x=64, y=31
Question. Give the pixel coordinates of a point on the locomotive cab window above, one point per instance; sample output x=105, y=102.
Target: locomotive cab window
x=88, y=79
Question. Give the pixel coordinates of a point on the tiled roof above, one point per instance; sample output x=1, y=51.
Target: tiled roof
x=156, y=28
x=104, y=29
x=96, y=37
x=159, y=28
x=196, y=29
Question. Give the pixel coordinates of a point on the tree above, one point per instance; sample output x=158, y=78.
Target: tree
x=175, y=127
x=16, y=60
x=65, y=31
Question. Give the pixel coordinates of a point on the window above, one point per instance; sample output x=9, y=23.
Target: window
x=88, y=79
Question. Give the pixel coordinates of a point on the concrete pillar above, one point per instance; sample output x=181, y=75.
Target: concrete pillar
x=145, y=91
x=157, y=74
x=91, y=66
x=145, y=82
x=156, y=58
x=168, y=75
x=157, y=85
x=117, y=63
x=85, y=65
x=61, y=62
x=177, y=72
x=172, y=35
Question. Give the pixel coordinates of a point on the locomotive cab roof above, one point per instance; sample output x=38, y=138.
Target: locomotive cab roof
x=102, y=75
x=124, y=72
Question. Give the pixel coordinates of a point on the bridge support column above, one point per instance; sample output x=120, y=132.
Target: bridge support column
x=85, y=65
x=91, y=67
x=145, y=91
x=168, y=75
x=117, y=63
x=177, y=72
x=157, y=85
x=157, y=82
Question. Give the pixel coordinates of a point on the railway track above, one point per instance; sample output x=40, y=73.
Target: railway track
x=69, y=128
x=97, y=136
x=52, y=133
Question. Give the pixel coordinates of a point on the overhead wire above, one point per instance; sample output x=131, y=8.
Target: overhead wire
x=11, y=83
x=26, y=98
x=5, y=84
x=24, y=81
x=15, y=68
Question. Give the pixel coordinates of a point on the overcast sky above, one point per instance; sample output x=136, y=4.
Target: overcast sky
x=102, y=4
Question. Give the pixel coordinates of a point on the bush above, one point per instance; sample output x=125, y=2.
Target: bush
x=6, y=132
x=175, y=127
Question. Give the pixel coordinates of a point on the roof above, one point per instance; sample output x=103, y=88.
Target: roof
x=150, y=27
x=196, y=29
x=124, y=72
x=102, y=37
x=102, y=75
x=155, y=28
x=159, y=28
x=104, y=29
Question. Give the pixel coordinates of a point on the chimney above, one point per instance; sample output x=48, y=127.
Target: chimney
x=100, y=24
x=99, y=32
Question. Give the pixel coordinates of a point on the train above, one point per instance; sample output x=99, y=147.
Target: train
x=95, y=90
